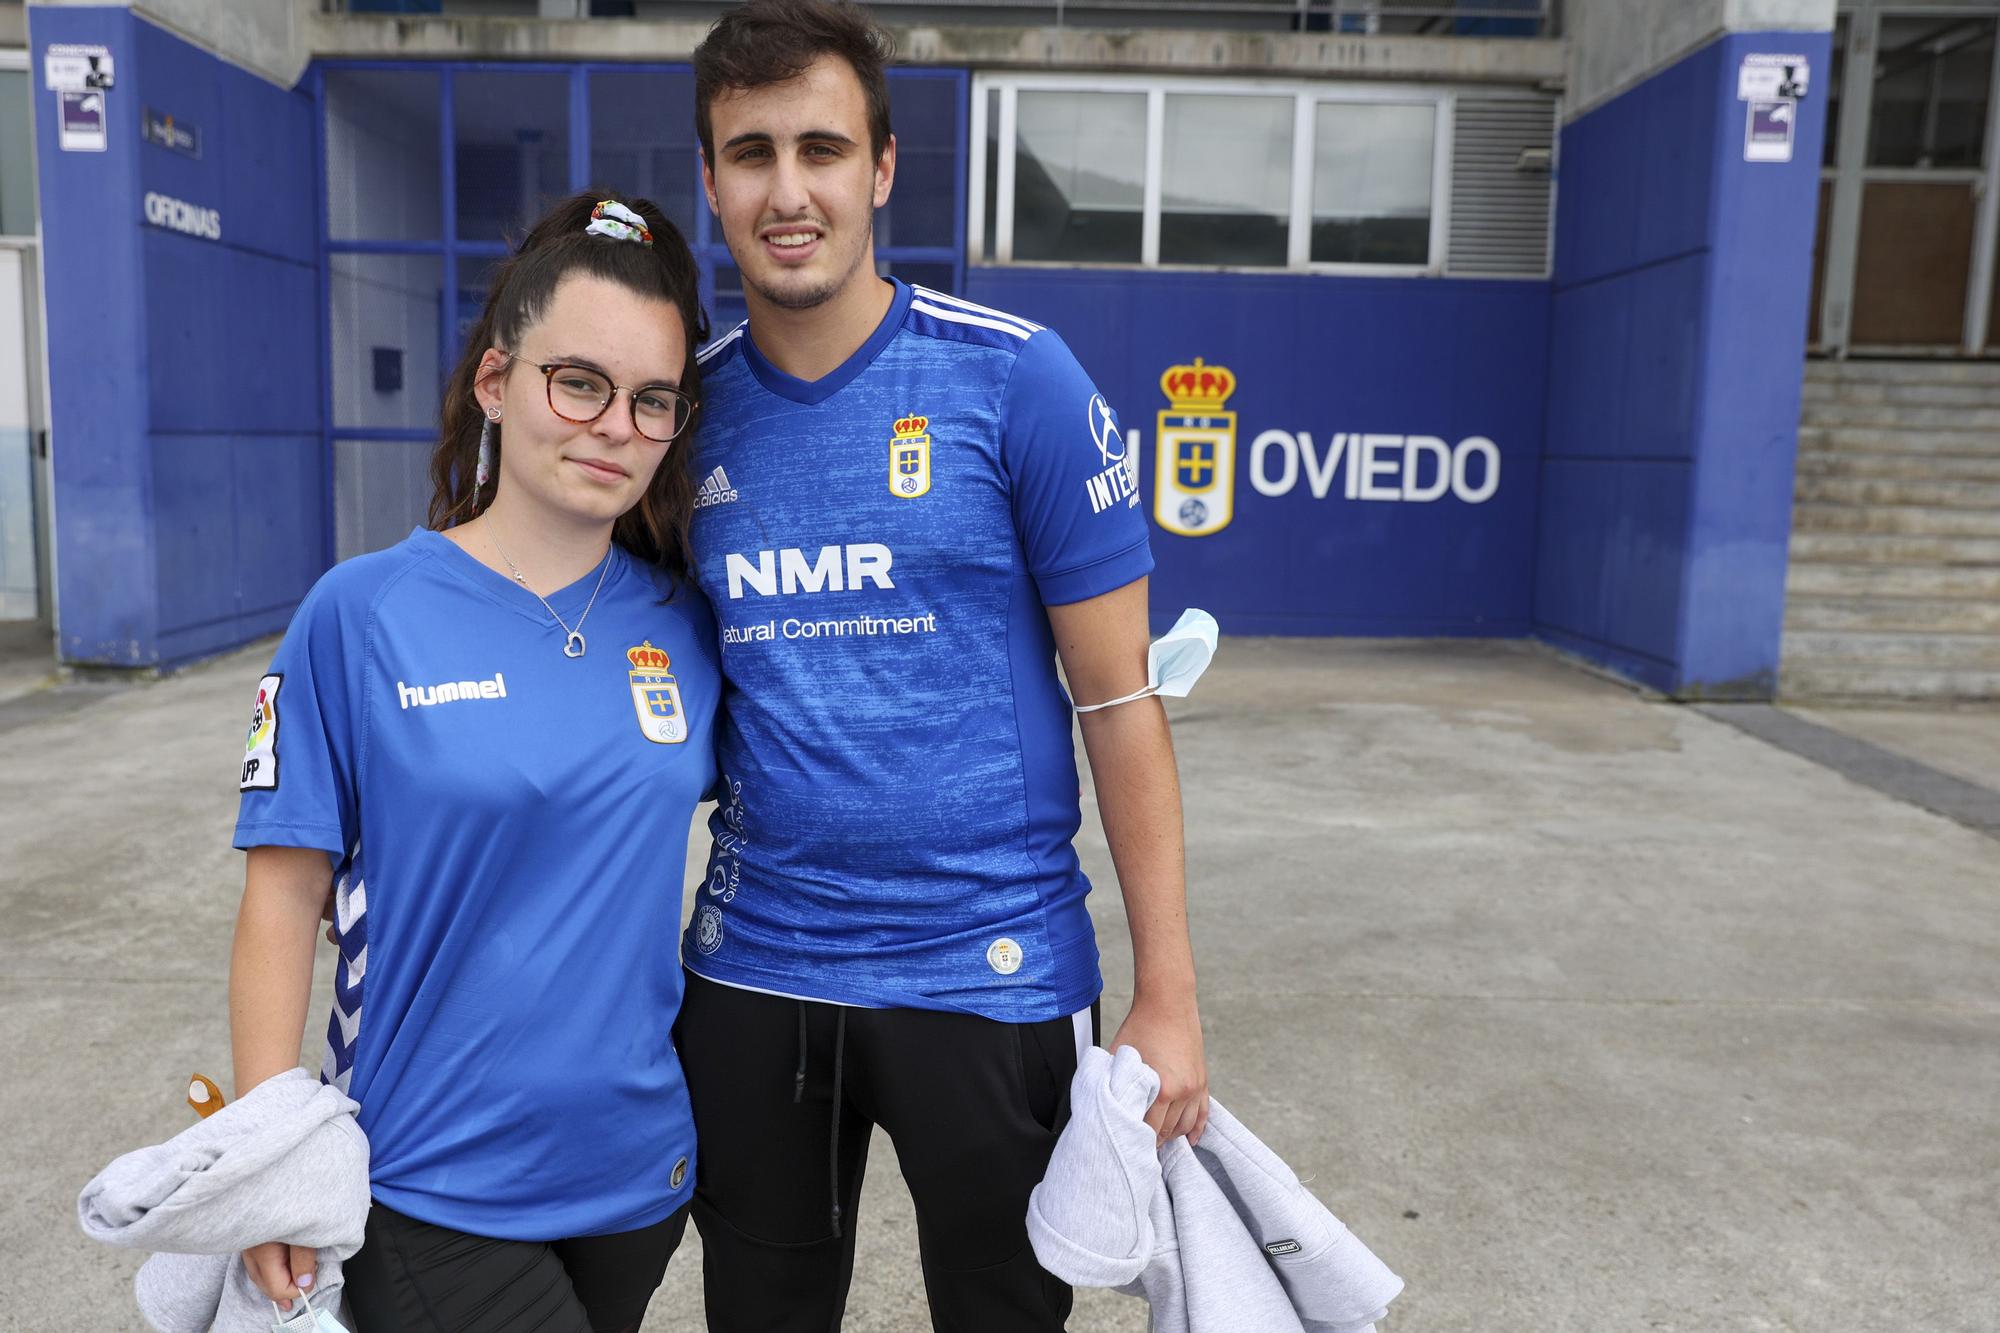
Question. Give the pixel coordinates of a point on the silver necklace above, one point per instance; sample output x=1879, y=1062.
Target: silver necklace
x=573, y=643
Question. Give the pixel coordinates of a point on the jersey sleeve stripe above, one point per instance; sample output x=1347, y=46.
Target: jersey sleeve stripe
x=926, y=294
x=961, y=317
x=705, y=353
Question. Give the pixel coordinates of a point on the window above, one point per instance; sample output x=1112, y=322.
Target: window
x=1226, y=180
x=1115, y=170
x=1371, y=200
x=1079, y=177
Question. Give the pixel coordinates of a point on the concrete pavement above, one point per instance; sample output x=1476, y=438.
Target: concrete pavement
x=1587, y=1012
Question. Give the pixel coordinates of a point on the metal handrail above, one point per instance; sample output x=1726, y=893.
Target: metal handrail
x=1435, y=17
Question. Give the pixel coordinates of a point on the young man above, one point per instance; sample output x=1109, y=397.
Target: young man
x=897, y=530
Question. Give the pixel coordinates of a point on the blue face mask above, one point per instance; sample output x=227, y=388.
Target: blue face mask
x=305, y=1319
x=1175, y=661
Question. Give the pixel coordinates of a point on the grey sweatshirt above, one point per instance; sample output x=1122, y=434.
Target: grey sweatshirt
x=1221, y=1238
x=286, y=1162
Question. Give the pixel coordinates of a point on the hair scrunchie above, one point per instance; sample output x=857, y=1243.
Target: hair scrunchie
x=613, y=219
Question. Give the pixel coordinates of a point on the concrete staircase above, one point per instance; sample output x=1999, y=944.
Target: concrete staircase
x=1894, y=587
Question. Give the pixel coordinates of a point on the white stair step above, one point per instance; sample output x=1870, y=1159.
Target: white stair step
x=1818, y=392
x=1915, y=520
x=1909, y=467
x=1896, y=648
x=1885, y=416
x=1904, y=372
x=1880, y=440
x=1829, y=580
x=1889, y=615
x=1885, y=491
x=1808, y=681
x=1843, y=548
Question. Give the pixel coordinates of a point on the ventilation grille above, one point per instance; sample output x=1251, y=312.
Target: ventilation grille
x=1499, y=203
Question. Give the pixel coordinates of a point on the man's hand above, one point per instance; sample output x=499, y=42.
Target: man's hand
x=282, y=1272
x=1167, y=1034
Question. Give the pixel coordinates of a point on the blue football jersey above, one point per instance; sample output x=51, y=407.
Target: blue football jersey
x=508, y=827
x=880, y=545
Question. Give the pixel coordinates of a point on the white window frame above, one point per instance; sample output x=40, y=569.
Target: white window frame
x=1306, y=98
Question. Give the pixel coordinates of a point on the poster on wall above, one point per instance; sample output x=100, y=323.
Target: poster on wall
x=77, y=69
x=1767, y=131
x=80, y=122
x=1771, y=78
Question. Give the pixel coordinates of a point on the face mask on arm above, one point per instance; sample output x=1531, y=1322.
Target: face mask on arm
x=1175, y=661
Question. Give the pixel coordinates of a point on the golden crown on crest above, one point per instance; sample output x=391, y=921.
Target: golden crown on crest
x=910, y=427
x=648, y=658
x=1199, y=387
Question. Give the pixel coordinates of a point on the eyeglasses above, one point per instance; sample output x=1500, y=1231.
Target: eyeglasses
x=580, y=395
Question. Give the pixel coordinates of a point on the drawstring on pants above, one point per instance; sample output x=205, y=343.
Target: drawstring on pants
x=799, y=1092
x=833, y=1148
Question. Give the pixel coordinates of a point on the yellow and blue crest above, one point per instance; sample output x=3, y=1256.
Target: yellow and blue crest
x=656, y=695
x=1194, y=480
x=910, y=459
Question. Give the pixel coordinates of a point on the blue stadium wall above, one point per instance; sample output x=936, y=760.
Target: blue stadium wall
x=1677, y=342
x=1386, y=439
x=1603, y=460
x=190, y=483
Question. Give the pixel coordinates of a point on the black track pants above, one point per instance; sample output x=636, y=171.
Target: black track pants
x=413, y=1277
x=785, y=1096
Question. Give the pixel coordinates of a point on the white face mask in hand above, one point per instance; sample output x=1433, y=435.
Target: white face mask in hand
x=1175, y=661
x=305, y=1319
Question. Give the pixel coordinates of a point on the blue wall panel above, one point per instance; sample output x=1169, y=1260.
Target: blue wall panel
x=102, y=509
x=184, y=370
x=1759, y=283
x=1675, y=355
x=1317, y=358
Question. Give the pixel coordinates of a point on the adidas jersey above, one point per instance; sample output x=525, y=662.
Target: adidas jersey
x=508, y=827
x=899, y=787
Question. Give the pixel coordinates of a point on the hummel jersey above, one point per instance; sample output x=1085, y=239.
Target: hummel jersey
x=508, y=827
x=880, y=545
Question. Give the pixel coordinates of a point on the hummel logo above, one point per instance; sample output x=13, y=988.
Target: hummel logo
x=715, y=490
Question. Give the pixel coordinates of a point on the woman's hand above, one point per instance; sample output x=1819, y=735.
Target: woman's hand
x=282, y=1272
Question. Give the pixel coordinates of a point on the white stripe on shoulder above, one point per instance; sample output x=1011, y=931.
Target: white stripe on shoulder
x=961, y=317
x=722, y=342
x=930, y=294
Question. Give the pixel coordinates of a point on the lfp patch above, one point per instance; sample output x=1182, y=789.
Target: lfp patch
x=260, y=747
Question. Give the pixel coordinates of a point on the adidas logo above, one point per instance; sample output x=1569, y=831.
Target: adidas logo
x=715, y=490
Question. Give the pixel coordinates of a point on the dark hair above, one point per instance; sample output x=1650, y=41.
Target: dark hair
x=774, y=41
x=656, y=529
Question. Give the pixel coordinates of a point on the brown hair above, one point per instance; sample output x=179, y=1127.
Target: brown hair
x=656, y=529
x=774, y=41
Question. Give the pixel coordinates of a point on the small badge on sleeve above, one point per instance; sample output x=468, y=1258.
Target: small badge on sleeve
x=260, y=747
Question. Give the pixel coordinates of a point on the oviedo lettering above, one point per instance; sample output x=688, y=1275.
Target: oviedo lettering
x=163, y=210
x=1419, y=468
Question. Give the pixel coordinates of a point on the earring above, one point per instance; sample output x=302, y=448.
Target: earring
x=485, y=471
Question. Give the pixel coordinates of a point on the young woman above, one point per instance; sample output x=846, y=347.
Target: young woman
x=491, y=738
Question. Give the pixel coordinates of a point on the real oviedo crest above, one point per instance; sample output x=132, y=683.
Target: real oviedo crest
x=910, y=458
x=1194, y=481
x=656, y=695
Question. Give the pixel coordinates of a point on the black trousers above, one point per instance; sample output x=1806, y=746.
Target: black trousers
x=413, y=1277
x=785, y=1096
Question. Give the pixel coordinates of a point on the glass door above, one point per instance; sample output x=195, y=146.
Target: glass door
x=1906, y=248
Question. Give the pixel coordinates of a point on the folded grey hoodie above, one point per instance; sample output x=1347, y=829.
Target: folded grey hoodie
x=1217, y=1238
x=285, y=1162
